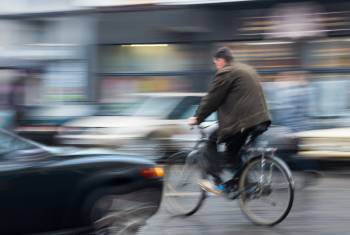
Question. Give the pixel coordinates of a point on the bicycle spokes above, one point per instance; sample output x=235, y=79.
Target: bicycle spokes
x=268, y=193
x=182, y=194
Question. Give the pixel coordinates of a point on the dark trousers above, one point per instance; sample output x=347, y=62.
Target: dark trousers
x=233, y=146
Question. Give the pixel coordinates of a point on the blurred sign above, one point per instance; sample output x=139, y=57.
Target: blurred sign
x=296, y=20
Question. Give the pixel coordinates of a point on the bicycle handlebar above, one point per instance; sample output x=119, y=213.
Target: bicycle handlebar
x=201, y=128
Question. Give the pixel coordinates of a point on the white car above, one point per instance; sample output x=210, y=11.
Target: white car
x=325, y=144
x=156, y=122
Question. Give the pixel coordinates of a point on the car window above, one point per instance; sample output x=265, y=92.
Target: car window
x=5, y=143
x=56, y=111
x=191, y=111
x=124, y=106
x=157, y=106
x=183, y=106
x=118, y=109
x=10, y=143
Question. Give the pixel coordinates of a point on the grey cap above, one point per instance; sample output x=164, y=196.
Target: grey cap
x=224, y=53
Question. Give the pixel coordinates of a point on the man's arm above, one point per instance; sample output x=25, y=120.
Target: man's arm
x=216, y=95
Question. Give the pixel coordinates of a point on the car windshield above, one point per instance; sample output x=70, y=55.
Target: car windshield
x=57, y=111
x=118, y=109
x=157, y=106
x=192, y=111
x=10, y=143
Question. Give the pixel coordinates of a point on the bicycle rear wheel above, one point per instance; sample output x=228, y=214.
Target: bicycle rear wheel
x=182, y=194
x=267, y=191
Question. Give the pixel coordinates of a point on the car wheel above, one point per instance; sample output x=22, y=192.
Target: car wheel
x=107, y=212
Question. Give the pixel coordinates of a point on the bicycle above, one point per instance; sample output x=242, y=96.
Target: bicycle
x=261, y=176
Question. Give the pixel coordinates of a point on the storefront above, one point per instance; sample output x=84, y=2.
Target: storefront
x=100, y=54
x=170, y=49
x=134, y=68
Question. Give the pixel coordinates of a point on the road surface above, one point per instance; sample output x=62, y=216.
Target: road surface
x=322, y=208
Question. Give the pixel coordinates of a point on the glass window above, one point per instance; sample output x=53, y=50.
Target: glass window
x=327, y=54
x=157, y=106
x=10, y=143
x=153, y=58
x=65, y=81
x=123, y=106
x=192, y=111
x=329, y=95
x=265, y=55
x=113, y=89
x=183, y=106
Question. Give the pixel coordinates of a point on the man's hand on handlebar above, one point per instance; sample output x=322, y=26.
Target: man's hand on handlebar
x=192, y=121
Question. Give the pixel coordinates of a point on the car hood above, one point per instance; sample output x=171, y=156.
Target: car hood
x=74, y=152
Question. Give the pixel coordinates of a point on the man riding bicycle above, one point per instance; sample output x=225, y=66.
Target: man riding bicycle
x=237, y=96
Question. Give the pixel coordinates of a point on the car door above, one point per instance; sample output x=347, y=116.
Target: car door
x=30, y=193
x=10, y=197
x=37, y=194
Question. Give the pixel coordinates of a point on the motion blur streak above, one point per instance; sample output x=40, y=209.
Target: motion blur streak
x=122, y=78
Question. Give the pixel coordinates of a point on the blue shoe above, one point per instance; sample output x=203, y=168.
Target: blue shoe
x=211, y=187
x=220, y=187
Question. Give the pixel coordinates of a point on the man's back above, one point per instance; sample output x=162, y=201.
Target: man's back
x=244, y=104
x=237, y=96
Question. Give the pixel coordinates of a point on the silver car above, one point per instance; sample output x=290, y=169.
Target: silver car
x=155, y=123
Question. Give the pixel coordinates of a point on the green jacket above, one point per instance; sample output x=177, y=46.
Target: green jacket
x=238, y=97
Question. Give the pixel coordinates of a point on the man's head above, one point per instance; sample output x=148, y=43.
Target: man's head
x=222, y=57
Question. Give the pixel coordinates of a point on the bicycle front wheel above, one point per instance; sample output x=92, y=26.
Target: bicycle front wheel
x=267, y=191
x=182, y=193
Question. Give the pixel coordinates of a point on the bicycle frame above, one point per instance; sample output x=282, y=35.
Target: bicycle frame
x=253, y=180
x=248, y=154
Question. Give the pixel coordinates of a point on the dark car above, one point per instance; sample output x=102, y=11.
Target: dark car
x=48, y=189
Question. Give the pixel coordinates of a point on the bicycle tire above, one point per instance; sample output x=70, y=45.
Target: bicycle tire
x=285, y=171
x=173, y=205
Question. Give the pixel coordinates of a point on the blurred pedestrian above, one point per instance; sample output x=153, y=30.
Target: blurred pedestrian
x=291, y=101
x=237, y=96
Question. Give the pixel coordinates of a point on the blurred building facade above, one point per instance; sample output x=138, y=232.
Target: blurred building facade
x=76, y=52
x=172, y=47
